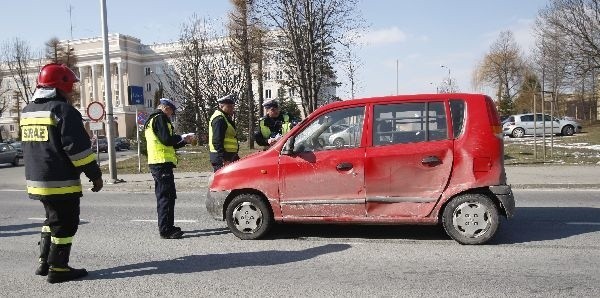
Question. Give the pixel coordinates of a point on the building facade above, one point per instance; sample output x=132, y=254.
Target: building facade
x=131, y=64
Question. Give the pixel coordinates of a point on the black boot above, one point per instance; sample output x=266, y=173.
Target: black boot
x=44, y=250
x=58, y=259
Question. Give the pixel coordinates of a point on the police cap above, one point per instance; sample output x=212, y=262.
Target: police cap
x=169, y=103
x=227, y=99
x=271, y=104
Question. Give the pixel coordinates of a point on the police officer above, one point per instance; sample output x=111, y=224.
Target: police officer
x=161, y=143
x=56, y=150
x=222, y=137
x=273, y=125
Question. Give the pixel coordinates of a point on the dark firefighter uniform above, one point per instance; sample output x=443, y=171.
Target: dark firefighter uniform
x=56, y=150
x=222, y=137
x=161, y=144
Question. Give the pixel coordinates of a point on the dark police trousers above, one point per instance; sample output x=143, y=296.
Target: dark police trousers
x=164, y=188
x=62, y=216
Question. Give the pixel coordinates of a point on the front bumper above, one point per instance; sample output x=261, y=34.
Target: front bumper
x=214, y=203
x=505, y=196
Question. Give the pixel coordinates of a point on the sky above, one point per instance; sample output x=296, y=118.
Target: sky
x=403, y=48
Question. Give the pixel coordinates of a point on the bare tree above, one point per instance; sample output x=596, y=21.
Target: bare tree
x=203, y=69
x=239, y=40
x=350, y=64
x=503, y=67
x=58, y=52
x=22, y=67
x=308, y=34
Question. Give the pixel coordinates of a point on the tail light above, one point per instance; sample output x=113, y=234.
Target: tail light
x=493, y=117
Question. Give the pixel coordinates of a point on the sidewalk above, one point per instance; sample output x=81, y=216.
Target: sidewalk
x=520, y=177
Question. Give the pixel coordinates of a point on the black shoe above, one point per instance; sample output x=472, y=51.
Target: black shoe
x=56, y=275
x=174, y=234
x=42, y=269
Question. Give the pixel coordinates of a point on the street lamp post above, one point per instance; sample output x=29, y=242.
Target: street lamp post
x=449, y=78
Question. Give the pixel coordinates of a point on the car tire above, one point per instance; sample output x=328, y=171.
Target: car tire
x=568, y=130
x=471, y=219
x=518, y=132
x=338, y=143
x=16, y=162
x=249, y=217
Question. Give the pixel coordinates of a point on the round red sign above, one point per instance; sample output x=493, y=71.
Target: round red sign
x=95, y=111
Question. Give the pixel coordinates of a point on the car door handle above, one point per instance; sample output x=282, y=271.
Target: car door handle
x=344, y=166
x=431, y=161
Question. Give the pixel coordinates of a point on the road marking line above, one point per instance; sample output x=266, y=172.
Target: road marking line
x=14, y=190
x=584, y=223
x=154, y=220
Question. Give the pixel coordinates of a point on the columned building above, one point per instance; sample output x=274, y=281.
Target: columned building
x=131, y=64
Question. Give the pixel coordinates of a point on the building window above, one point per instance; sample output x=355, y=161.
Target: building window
x=11, y=128
x=147, y=70
x=279, y=75
x=267, y=93
x=148, y=87
x=267, y=75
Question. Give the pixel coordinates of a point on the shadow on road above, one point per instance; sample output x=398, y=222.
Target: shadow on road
x=547, y=223
x=201, y=263
x=293, y=231
x=206, y=232
x=24, y=229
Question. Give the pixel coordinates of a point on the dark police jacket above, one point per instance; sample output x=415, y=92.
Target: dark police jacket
x=56, y=147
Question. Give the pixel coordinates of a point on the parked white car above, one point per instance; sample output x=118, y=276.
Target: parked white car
x=517, y=126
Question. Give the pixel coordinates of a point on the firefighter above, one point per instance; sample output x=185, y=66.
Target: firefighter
x=273, y=125
x=56, y=150
x=161, y=143
x=222, y=136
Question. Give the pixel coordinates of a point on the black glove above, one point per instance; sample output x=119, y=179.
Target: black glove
x=98, y=184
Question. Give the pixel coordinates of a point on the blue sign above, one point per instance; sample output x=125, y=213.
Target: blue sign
x=136, y=95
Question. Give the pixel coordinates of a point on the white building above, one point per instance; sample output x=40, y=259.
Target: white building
x=131, y=64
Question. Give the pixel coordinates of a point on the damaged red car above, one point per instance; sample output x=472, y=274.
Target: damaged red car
x=412, y=159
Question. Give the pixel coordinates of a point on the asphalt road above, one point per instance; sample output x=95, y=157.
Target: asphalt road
x=551, y=248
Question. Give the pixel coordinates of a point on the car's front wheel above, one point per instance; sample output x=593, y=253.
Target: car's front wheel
x=568, y=130
x=470, y=219
x=518, y=132
x=16, y=161
x=248, y=217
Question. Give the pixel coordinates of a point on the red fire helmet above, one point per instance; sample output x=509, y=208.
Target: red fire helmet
x=57, y=76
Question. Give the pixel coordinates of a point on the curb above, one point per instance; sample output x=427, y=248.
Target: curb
x=557, y=186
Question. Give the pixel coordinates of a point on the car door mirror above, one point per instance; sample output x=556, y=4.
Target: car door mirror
x=288, y=148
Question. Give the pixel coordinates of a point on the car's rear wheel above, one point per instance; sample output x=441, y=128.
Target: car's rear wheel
x=249, y=217
x=470, y=219
x=518, y=132
x=338, y=143
x=568, y=130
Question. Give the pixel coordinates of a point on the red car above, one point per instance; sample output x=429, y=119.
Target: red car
x=413, y=159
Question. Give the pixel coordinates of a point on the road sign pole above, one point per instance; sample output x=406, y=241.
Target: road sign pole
x=137, y=133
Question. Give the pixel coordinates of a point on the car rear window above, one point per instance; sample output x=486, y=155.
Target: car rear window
x=409, y=123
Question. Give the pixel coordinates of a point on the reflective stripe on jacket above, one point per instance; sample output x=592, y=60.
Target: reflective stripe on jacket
x=56, y=147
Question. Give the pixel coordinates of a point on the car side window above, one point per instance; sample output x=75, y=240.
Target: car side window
x=409, y=123
x=3, y=148
x=334, y=130
x=527, y=118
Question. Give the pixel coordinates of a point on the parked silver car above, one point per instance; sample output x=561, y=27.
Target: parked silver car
x=517, y=126
x=8, y=154
x=349, y=136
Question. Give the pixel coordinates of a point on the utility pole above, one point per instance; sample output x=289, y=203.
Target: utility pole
x=108, y=99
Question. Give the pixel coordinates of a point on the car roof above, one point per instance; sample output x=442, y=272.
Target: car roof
x=397, y=98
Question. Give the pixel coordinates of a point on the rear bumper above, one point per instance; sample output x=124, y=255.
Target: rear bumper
x=214, y=203
x=505, y=196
